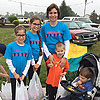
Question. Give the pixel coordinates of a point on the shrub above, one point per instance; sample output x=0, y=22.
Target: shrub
x=1, y=25
x=15, y=22
x=12, y=18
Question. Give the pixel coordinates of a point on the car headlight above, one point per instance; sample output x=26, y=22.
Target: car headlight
x=77, y=37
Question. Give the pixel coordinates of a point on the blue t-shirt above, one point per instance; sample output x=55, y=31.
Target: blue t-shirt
x=87, y=86
x=19, y=56
x=33, y=41
x=51, y=35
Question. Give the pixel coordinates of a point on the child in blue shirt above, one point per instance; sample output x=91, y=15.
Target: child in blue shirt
x=82, y=83
x=33, y=38
x=18, y=57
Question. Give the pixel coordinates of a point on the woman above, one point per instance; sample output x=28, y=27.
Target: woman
x=53, y=32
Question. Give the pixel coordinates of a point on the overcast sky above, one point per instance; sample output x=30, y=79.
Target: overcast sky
x=13, y=6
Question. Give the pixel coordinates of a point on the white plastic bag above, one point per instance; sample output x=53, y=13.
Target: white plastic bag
x=21, y=91
x=35, y=90
x=61, y=91
x=6, y=93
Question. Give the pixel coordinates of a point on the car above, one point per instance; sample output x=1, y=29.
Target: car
x=83, y=19
x=2, y=21
x=23, y=20
x=80, y=36
x=86, y=26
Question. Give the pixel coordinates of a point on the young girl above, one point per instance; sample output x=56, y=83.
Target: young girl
x=34, y=40
x=18, y=57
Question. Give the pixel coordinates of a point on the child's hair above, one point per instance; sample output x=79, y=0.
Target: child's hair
x=2, y=48
x=59, y=44
x=19, y=27
x=51, y=7
x=33, y=18
x=86, y=72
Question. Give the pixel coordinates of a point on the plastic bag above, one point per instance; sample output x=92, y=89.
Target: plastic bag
x=35, y=90
x=6, y=93
x=61, y=92
x=21, y=91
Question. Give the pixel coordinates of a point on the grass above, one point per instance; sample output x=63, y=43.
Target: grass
x=7, y=36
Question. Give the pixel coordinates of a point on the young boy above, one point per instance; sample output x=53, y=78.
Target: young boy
x=3, y=73
x=56, y=70
x=83, y=83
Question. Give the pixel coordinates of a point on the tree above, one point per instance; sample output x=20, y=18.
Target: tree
x=93, y=16
x=66, y=10
x=12, y=18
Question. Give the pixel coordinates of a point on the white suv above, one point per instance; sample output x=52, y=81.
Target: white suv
x=23, y=19
x=83, y=19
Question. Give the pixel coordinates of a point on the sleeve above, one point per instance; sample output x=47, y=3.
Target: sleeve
x=8, y=52
x=67, y=35
x=33, y=61
x=67, y=44
x=66, y=68
x=89, y=86
x=27, y=67
x=46, y=51
x=10, y=65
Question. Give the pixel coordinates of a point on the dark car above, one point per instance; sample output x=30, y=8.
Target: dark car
x=86, y=26
x=80, y=36
x=2, y=21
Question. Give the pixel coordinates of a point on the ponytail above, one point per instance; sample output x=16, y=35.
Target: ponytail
x=40, y=54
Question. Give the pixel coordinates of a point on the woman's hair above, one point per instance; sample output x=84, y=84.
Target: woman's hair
x=60, y=44
x=86, y=72
x=19, y=27
x=33, y=18
x=51, y=7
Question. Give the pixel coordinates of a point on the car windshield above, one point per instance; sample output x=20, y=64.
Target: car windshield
x=71, y=25
x=86, y=20
x=83, y=25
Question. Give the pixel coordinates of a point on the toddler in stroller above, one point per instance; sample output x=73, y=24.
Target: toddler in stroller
x=90, y=63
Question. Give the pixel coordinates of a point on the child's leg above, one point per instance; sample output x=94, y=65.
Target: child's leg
x=30, y=73
x=51, y=92
x=13, y=87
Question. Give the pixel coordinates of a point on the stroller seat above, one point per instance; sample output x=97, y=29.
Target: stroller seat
x=92, y=61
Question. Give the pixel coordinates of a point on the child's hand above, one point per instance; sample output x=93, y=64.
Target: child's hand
x=22, y=78
x=50, y=65
x=63, y=74
x=17, y=76
x=62, y=62
x=35, y=67
x=7, y=77
x=78, y=83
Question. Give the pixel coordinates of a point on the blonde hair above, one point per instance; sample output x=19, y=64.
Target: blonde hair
x=59, y=44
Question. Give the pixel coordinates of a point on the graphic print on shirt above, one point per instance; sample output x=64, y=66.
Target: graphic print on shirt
x=34, y=41
x=20, y=53
x=53, y=34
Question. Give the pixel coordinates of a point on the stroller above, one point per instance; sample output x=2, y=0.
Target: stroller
x=92, y=61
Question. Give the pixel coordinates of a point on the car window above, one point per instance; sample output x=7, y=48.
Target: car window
x=72, y=25
x=86, y=20
x=83, y=25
